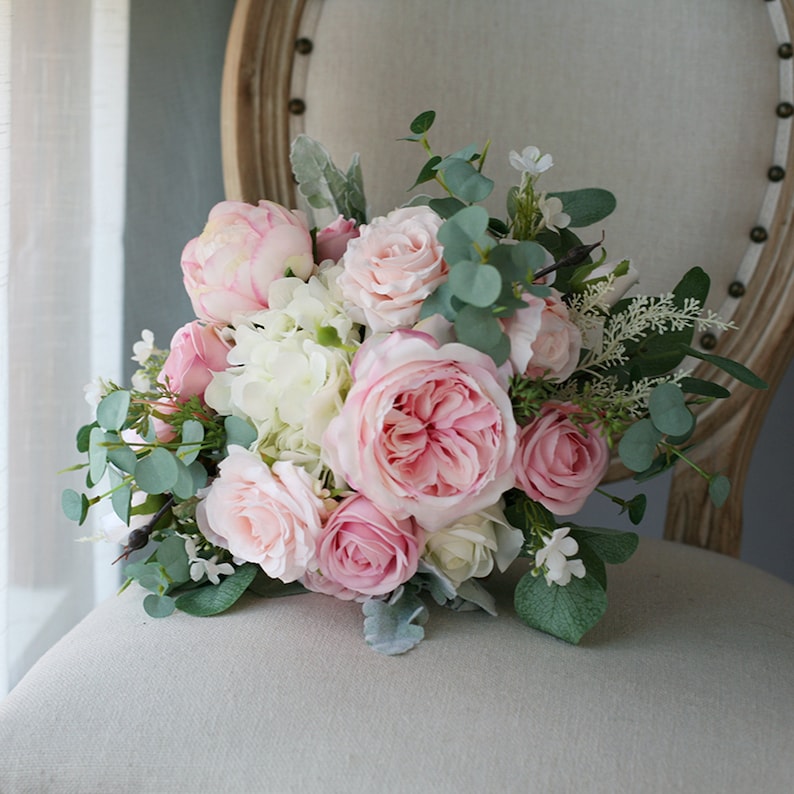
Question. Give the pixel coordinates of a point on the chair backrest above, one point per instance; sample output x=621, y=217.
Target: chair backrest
x=683, y=109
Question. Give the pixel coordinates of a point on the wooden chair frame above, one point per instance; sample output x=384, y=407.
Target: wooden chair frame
x=268, y=54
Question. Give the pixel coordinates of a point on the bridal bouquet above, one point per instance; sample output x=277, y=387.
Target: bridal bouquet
x=387, y=410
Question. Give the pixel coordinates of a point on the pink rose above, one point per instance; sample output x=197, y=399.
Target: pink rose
x=427, y=430
x=556, y=463
x=333, y=239
x=270, y=516
x=367, y=551
x=196, y=352
x=392, y=267
x=543, y=340
x=162, y=428
x=242, y=250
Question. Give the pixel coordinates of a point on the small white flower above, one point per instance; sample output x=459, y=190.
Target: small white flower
x=144, y=348
x=530, y=161
x=141, y=382
x=95, y=391
x=199, y=566
x=554, y=556
x=554, y=218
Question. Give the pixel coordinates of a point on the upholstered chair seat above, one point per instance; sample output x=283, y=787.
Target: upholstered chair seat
x=686, y=685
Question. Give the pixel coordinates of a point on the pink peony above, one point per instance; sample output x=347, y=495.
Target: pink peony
x=427, y=430
x=392, y=267
x=556, y=463
x=242, y=250
x=270, y=516
x=543, y=340
x=367, y=551
x=196, y=352
x=332, y=240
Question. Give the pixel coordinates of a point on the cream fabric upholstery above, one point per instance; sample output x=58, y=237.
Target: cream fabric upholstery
x=686, y=685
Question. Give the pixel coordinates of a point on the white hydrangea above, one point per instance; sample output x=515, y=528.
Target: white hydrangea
x=553, y=558
x=281, y=378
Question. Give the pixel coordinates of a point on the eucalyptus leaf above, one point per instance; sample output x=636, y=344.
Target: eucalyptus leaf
x=111, y=413
x=192, y=438
x=476, y=284
x=565, y=612
x=171, y=554
x=466, y=182
x=423, y=122
x=394, y=626
x=159, y=606
x=239, y=432
x=439, y=302
x=97, y=454
x=668, y=410
x=121, y=501
x=214, y=599
x=158, y=472
x=472, y=592
x=82, y=438
x=149, y=575
x=461, y=232
x=122, y=457
x=428, y=172
x=637, y=448
x=74, y=505
x=446, y=207
x=719, y=489
x=185, y=485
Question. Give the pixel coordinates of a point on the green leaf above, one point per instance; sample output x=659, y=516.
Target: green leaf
x=192, y=438
x=423, y=122
x=74, y=505
x=149, y=575
x=719, y=489
x=733, y=368
x=668, y=410
x=264, y=586
x=439, y=302
x=446, y=207
x=97, y=454
x=636, y=508
x=238, y=432
x=565, y=612
x=83, y=435
x=428, y=172
x=610, y=545
x=466, y=182
x=395, y=626
x=461, y=232
x=172, y=556
x=158, y=606
x=637, y=448
x=587, y=205
x=157, y=472
x=121, y=497
x=478, y=285
x=478, y=328
x=214, y=599
x=123, y=457
x=111, y=413
x=199, y=474
x=703, y=388
x=185, y=486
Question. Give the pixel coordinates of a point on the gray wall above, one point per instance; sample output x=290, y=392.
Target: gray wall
x=176, y=58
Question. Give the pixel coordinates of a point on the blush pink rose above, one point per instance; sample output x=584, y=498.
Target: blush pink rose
x=556, y=463
x=393, y=265
x=367, y=551
x=196, y=352
x=266, y=515
x=427, y=430
x=543, y=340
x=242, y=250
x=333, y=239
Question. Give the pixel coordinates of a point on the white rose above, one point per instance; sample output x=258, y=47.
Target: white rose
x=471, y=545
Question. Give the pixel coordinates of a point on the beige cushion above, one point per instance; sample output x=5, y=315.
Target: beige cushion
x=686, y=685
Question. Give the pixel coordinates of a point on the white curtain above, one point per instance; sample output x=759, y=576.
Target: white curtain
x=63, y=79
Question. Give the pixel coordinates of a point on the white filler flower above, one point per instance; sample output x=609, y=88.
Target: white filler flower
x=553, y=558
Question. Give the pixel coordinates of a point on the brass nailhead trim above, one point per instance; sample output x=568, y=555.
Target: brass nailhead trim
x=736, y=289
x=708, y=341
x=785, y=110
x=785, y=50
x=304, y=46
x=297, y=106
